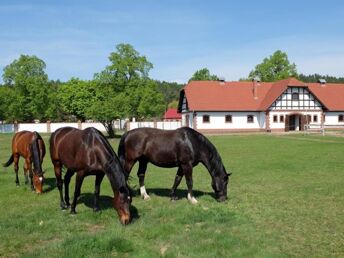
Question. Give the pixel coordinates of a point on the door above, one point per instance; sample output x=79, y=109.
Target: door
x=286, y=125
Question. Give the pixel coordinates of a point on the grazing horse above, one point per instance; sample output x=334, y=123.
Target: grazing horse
x=87, y=152
x=30, y=146
x=183, y=148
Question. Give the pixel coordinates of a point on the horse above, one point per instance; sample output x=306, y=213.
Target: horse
x=31, y=147
x=87, y=152
x=183, y=148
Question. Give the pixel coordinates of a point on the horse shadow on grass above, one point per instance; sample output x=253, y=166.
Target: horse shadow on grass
x=105, y=203
x=50, y=183
x=180, y=193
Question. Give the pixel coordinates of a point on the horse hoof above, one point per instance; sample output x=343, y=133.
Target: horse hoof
x=146, y=197
x=192, y=199
x=174, y=198
x=73, y=213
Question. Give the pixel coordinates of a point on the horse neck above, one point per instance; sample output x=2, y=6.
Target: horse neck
x=212, y=160
x=115, y=174
x=36, y=155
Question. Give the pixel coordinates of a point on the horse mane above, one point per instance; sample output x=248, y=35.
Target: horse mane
x=113, y=164
x=214, y=158
x=35, y=154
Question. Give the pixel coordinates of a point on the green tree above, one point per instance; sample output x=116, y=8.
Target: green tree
x=76, y=96
x=276, y=67
x=117, y=86
x=203, y=75
x=27, y=76
x=152, y=102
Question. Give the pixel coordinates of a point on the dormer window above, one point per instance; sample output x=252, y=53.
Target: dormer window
x=295, y=96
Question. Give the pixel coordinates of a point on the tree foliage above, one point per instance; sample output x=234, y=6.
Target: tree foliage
x=203, y=75
x=276, y=67
x=31, y=88
x=315, y=77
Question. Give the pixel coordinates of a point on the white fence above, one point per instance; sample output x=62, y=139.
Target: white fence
x=324, y=128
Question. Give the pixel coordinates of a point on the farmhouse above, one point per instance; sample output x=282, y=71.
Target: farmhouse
x=172, y=114
x=286, y=105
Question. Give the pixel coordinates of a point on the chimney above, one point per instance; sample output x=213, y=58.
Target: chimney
x=221, y=80
x=322, y=82
x=256, y=83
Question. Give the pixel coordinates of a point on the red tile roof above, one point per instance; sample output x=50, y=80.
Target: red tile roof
x=171, y=113
x=239, y=96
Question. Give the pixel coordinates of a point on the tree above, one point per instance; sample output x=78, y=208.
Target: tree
x=203, y=75
x=76, y=96
x=117, y=95
x=170, y=90
x=276, y=67
x=30, y=83
x=152, y=102
x=315, y=77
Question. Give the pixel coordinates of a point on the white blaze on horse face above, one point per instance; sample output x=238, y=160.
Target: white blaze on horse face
x=192, y=199
x=41, y=179
x=144, y=194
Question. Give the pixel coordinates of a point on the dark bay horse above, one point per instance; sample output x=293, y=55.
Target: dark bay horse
x=183, y=148
x=87, y=152
x=30, y=146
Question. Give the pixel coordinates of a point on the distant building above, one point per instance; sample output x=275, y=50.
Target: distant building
x=286, y=105
x=172, y=115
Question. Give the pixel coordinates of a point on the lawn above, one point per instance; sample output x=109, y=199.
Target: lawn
x=286, y=198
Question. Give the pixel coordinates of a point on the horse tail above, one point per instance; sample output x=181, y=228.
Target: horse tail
x=9, y=162
x=121, y=149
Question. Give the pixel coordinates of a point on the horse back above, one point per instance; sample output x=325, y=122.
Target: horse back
x=77, y=149
x=166, y=148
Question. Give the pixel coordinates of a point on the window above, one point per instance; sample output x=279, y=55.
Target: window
x=295, y=96
x=315, y=118
x=341, y=118
x=281, y=119
x=249, y=119
x=206, y=119
x=275, y=119
x=228, y=118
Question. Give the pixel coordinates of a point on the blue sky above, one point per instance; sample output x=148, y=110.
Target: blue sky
x=75, y=38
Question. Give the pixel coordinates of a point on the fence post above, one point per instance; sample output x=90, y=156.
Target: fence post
x=49, y=126
x=79, y=125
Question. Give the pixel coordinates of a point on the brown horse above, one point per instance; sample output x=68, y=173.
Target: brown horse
x=183, y=148
x=30, y=146
x=87, y=152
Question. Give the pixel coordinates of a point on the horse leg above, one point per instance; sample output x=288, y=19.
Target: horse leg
x=187, y=169
x=66, y=180
x=141, y=174
x=28, y=167
x=78, y=182
x=99, y=179
x=59, y=183
x=177, y=180
x=16, y=167
x=26, y=171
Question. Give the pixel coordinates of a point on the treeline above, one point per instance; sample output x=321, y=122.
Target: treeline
x=315, y=78
x=123, y=89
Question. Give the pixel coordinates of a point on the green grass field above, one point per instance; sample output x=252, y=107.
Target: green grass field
x=286, y=198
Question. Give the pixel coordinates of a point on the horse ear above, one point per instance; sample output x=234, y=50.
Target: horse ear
x=229, y=174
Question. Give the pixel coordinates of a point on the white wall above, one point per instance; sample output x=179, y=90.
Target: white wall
x=331, y=118
x=239, y=120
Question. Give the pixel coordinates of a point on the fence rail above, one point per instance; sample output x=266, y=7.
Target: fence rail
x=322, y=128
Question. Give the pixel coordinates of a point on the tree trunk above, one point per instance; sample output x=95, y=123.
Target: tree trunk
x=109, y=128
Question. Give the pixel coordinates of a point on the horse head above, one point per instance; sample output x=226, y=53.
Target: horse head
x=121, y=203
x=219, y=184
x=38, y=181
